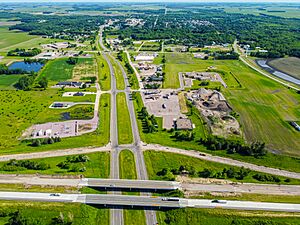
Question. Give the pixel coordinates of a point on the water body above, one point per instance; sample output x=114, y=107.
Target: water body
x=28, y=67
x=263, y=64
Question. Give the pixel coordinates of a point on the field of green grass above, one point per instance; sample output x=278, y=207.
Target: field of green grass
x=31, y=107
x=156, y=161
x=103, y=73
x=127, y=165
x=263, y=104
x=124, y=124
x=18, y=39
x=290, y=65
x=37, y=213
x=7, y=81
x=58, y=70
x=97, y=166
x=224, y=217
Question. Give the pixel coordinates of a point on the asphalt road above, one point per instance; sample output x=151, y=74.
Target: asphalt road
x=136, y=148
x=148, y=202
x=116, y=215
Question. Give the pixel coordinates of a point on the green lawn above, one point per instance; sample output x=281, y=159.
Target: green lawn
x=127, y=165
x=124, y=124
x=134, y=217
x=157, y=161
x=7, y=81
x=37, y=213
x=97, y=166
x=224, y=217
x=37, y=188
x=31, y=107
x=103, y=73
x=263, y=104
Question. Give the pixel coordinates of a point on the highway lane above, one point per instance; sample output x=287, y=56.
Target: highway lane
x=116, y=215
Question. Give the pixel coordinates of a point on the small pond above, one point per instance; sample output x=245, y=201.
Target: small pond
x=28, y=67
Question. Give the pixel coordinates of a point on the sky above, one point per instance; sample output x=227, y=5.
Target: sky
x=48, y=1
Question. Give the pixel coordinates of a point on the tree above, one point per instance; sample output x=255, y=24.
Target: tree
x=43, y=82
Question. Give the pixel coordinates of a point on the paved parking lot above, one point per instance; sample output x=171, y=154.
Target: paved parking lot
x=163, y=104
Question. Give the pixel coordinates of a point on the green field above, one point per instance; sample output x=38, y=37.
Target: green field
x=7, y=81
x=37, y=213
x=263, y=104
x=104, y=73
x=8, y=39
x=31, y=107
x=127, y=165
x=17, y=39
x=97, y=166
x=157, y=161
x=124, y=123
x=290, y=65
x=224, y=217
x=58, y=70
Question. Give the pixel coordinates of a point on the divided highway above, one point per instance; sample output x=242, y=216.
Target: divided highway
x=113, y=201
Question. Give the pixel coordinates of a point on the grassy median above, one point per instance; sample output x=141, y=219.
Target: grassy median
x=124, y=125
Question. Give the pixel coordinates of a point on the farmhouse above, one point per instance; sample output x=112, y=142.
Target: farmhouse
x=70, y=84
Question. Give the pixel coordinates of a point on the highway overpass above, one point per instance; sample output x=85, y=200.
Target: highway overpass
x=108, y=200
x=147, y=185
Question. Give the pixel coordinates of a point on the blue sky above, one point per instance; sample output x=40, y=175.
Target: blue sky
x=7, y=1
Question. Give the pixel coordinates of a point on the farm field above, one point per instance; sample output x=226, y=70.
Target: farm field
x=289, y=65
x=124, y=124
x=34, y=107
x=59, y=69
x=157, y=161
x=224, y=217
x=38, y=213
x=263, y=104
x=97, y=166
x=10, y=39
